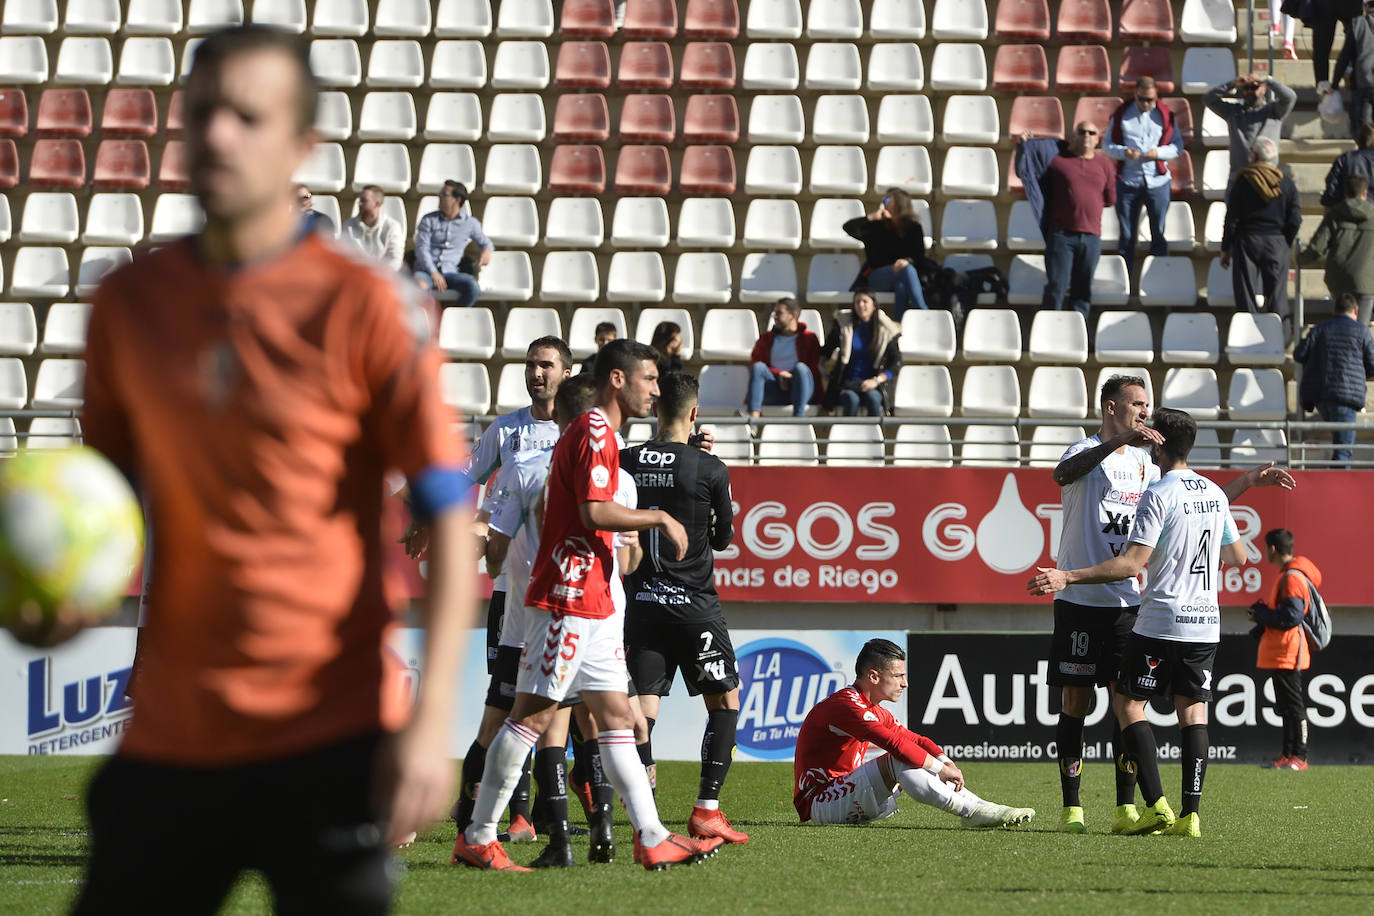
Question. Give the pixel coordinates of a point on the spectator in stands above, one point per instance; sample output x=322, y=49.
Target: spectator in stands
x=375, y=234
x=894, y=250
x=605, y=333
x=667, y=343
x=1073, y=182
x=314, y=219
x=1253, y=106
x=1346, y=240
x=1324, y=17
x=786, y=362
x=1262, y=221
x=1358, y=161
x=1357, y=60
x=441, y=238
x=1142, y=138
x=1284, y=26
x=1337, y=357
x=864, y=343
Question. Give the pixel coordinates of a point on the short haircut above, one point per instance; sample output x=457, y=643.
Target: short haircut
x=246, y=39
x=552, y=343
x=1146, y=82
x=1348, y=303
x=623, y=354
x=1356, y=186
x=677, y=395
x=877, y=655
x=1112, y=388
x=1281, y=539
x=606, y=327
x=1179, y=431
x=1265, y=150
x=1364, y=137
x=457, y=187
x=790, y=304
x=371, y=187
x=575, y=397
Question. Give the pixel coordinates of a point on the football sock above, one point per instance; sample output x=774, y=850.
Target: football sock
x=1068, y=737
x=603, y=793
x=579, y=771
x=1123, y=764
x=717, y=750
x=1139, y=740
x=1300, y=739
x=551, y=771
x=505, y=761
x=520, y=801
x=646, y=756
x=632, y=784
x=1194, y=766
x=473, y=763
x=926, y=787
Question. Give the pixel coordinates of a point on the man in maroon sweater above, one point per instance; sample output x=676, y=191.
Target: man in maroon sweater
x=1077, y=184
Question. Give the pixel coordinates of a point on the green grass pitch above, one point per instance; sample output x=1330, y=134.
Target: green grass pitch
x=1273, y=842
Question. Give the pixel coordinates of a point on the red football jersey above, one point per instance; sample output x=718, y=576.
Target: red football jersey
x=836, y=737
x=572, y=572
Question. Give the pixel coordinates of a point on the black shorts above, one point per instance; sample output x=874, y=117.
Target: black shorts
x=501, y=691
x=496, y=610
x=1087, y=644
x=657, y=646
x=1154, y=667
x=173, y=839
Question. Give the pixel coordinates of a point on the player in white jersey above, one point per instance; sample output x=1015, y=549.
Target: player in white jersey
x=1183, y=529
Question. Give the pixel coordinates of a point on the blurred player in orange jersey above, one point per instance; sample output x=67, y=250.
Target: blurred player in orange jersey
x=258, y=381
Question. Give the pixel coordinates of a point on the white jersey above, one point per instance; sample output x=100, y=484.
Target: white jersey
x=1098, y=508
x=1187, y=520
x=502, y=443
x=627, y=495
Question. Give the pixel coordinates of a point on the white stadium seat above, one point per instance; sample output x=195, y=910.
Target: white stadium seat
x=509, y=276
x=467, y=333
x=767, y=278
x=992, y=335
x=387, y=116
x=970, y=171
x=520, y=65
x=334, y=115
x=18, y=329
x=1168, y=281
x=722, y=390
x=707, y=222
x=776, y=119
x=582, y=328
x=828, y=217
x=703, y=276
x=96, y=262
x=84, y=61
x=453, y=116
x=923, y=391
x=987, y=446
x=463, y=19
x=854, y=445
x=774, y=19
x=511, y=222
x=525, y=19
x=788, y=444
x=59, y=384
x=840, y=119
x=959, y=20
x=771, y=66
x=640, y=222
x=1255, y=340
x=1048, y=444
x=1057, y=392
x=971, y=119
x=927, y=336
x=921, y=445
x=41, y=272
x=1190, y=338
x=834, y=65
x=1192, y=389
x=649, y=318
x=904, y=118
x=570, y=276
x=465, y=387
x=991, y=391
x=1058, y=337
x=460, y=64
x=526, y=324
x=895, y=67
x=49, y=217
x=959, y=68
x=837, y=170
x=516, y=117
x=513, y=168
x=773, y=170
x=1257, y=394
x=767, y=224
x=829, y=278
x=636, y=276
x=968, y=225
x=899, y=19
x=574, y=222
x=728, y=335
x=1124, y=337
x=834, y=19
x=905, y=167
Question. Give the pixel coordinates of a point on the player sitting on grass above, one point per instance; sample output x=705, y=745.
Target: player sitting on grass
x=833, y=785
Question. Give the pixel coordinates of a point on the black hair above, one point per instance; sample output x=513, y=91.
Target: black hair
x=877, y=654
x=1112, y=388
x=552, y=343
x=623, y=354
x=677, y=395
x=245, y=39
x=1179, y=431
x=1281, y=540
x=575, y=397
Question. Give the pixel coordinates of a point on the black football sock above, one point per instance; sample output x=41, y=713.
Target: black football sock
x=1139, y=740
x=1068, y=737
x=1194, y=766
x=550, y=771
x=603, y=793
x=473, y=763
x=520, y=800
x=1300, y=738
x=717, y=751
x=1123, y=764
x=646, y=756
x=579, y=773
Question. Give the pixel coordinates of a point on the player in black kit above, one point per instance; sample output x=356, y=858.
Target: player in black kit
x=673, y=618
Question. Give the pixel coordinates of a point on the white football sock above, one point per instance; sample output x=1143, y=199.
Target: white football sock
x=926, y=787
x=505, y=762
x=710, y=804
x=620, y=760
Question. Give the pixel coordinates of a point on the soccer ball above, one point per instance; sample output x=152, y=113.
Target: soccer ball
x=71, y=532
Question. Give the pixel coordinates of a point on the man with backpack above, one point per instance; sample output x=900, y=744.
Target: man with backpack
x=1285, y=647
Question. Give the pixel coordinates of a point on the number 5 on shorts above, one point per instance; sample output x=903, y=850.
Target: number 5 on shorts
x=569, y=650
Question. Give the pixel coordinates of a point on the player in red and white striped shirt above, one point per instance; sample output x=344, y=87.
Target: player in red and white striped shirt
x=832, y=783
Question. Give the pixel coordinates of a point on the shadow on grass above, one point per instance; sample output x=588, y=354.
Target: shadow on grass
x=43, y=859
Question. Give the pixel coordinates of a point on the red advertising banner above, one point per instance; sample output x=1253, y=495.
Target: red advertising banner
x=971, y=536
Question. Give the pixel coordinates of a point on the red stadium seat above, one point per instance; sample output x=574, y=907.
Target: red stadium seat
x=645, y=65
x=648, y=119
x=129, y=113
x=9, y=164
x=1042, y=115
x=577, y=170
x=583, y=65
x=1098, y=109
x=1027, y=20
x=711, y=119
x=1021, y=68
x=1014, y=186
x=64, y=113
x=1138, y=62
x=643, y=170
x=122, y=165
x=172, y=174
x=707, y=170
x=650, y=19
x=14, y=113
x=711, y=19
x=708, y=65
x=587, y=19
x=1083, y=68
x=1183, y=116
x=1182, y=184
x=1085, y=20
x=57, y=164
x=1146, y=20
x=582, y=118
x=176, y=121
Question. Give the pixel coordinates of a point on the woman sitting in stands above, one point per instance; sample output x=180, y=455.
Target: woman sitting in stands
x=894, y=248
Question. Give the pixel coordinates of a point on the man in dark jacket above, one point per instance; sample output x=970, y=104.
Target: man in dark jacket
x=1337, y=356
x=1358, y=161
x=1262, y=220
x=1346, y=240
x=786, y=367
x=1357, y=58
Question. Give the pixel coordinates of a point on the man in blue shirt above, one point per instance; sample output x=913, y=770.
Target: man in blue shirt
x=440, y=240
x=1142, y=138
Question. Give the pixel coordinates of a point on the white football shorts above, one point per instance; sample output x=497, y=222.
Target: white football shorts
x=855, y=798
x=565, y=654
